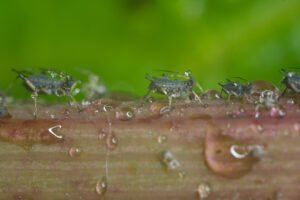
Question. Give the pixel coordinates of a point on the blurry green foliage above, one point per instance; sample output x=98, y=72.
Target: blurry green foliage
x=121, y=40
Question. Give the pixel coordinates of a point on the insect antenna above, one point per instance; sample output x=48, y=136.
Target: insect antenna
x=237, y=77
x=149, y=77
x=283, y=72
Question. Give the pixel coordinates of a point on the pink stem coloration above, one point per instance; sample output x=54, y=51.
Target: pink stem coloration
x=122, y=150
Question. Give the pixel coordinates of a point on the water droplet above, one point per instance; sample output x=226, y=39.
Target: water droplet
x=111, y=141
x=203, y=190
x=74, y=151
x=170, y=162
x=101, y=186
x=52, y=132
x=212, y=94
x=290, y=101
x=257, y=128
x=107, y=108
x=219, y=157
x=102, y=134
x=277, y=112
x=52, y=116
x=256, y=114
x=125, y=113
x=161, y=139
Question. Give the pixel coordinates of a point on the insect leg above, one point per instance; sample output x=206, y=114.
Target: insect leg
x=170, y=102
x=197, y=96
x=74, y=101
x=34, y=96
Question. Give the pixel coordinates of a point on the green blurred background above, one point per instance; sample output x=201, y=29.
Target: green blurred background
x=121, y=40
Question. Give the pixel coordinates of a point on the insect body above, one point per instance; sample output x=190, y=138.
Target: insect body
x=291, y=80
x=173, y=88
x=236, y=88
x=49, y=82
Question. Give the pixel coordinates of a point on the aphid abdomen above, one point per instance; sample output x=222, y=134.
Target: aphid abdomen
x=294, y=83
x=43, y=83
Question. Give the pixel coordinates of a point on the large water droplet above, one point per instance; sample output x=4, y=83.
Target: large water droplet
x=101, y=186
x=219, y=158
x=203, y=190
x=125, y=113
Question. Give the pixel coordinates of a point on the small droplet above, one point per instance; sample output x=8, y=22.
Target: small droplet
x=256, y=114
x=111, y=141
x=107, y=108
x=257, y=128
x=74, y=151
x=277, y=112
x=101, y=186
x=204, y=191
x=102, y=134
x=125, y=113
x=168, y=159
x=161, y=139
x=290, y=101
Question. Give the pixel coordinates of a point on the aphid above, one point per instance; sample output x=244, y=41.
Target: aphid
x=291, y=80
x=236, y=88
x=173, y=88
x=49, y=82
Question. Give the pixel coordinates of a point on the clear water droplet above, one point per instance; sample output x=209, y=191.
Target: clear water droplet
x=102, y=134
x=124, y=114
x=161, y=139
x=170, y=162
x=277, y=112
x=74, y=152
x=204, y=190
x=290, y=101
x=257, y=128
x=111, y=141
x=101, y=186
x=107, y=108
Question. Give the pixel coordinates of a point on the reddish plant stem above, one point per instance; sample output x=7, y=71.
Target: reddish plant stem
x=221, y=145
